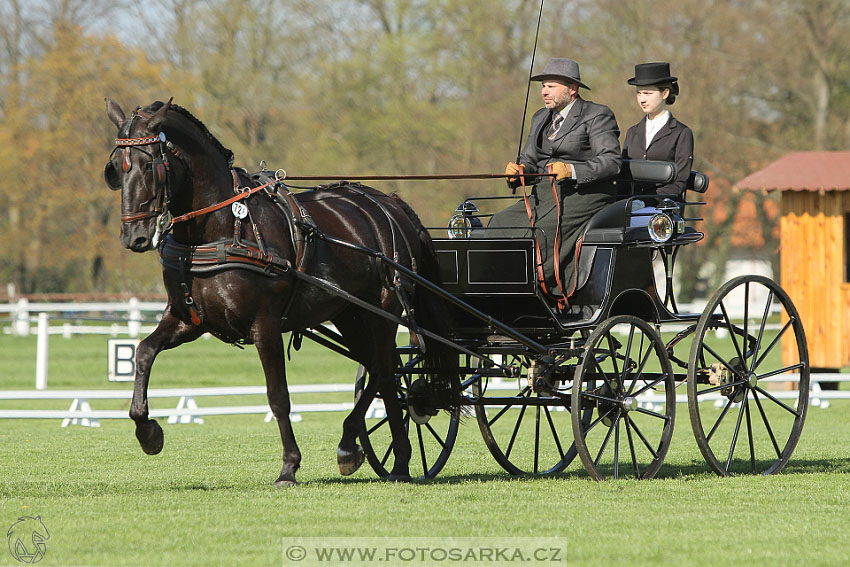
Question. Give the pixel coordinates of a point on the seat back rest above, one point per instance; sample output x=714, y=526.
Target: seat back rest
x=697, y=182
x=648, y=171
x=614, y=215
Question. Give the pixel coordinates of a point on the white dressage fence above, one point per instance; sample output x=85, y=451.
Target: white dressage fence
x=80, y=411
x=187, y=410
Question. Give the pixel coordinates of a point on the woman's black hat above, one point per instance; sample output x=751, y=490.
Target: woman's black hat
x=652, y=74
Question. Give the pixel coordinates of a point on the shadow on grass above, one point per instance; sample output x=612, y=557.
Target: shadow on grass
x=696, y=470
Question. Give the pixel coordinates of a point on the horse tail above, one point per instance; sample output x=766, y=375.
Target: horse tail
x=431, y=312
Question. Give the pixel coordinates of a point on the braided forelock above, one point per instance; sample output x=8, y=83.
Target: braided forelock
x=153, y=107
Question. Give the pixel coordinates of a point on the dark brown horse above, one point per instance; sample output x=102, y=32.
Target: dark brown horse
x=239, y=263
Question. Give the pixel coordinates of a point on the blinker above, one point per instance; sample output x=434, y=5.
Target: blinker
x=111, y=176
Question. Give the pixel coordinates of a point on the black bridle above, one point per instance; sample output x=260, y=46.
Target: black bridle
x=160, y=169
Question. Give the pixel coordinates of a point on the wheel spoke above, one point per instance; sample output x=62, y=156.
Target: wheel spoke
x=776, y=401
x=632, y=447
x=506, y=408
x=653, y=414
x=612, y=353
x=719, y=419
x=617, y=449
x=376, y=426
x=750, y=437
x=642, y=438
x=774, y=342
x=782, y=370
x=722, y=387
x=735, y=433
x=719, y=358
x=640, y=369
x=648, y=386
x=387, y=454
x=596, y=421
x=731, y=330
x=601, y=398
x=628, y=352
x=422, y=450
x=516, y=430
x=554, y=432
x=761, y=330
x=603, y=373
x=536, y=439
x=435, y=435
x=605, y=441
x=767, y=424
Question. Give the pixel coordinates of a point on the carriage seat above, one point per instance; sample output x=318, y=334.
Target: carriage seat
x=611, y=224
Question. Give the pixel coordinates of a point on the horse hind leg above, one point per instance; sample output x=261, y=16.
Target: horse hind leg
x=376, y=351
x=170, y=333
x=350, y=455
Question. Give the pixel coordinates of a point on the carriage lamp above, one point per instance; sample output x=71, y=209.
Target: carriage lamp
x=660, y=228
x=464, y=221
x=672, y=209
x=667, y=223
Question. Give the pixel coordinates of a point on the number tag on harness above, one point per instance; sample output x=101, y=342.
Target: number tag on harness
x=240, y=210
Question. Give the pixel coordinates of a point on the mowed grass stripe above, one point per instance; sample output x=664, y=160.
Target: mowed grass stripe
x=208, y=498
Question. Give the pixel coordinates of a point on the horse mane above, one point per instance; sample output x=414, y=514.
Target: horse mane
x=228, y=154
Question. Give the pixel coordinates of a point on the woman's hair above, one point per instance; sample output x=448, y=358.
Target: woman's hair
x=674, y=91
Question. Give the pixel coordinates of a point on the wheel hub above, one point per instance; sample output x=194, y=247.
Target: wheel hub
x=752, y=380
x=629, y=403
x=419, y=405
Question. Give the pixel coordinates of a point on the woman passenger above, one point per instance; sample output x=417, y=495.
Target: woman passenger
x=659, y=136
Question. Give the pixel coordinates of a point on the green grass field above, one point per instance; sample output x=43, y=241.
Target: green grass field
x=208, y=498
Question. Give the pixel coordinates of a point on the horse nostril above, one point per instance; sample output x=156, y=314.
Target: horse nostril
x=140, y=243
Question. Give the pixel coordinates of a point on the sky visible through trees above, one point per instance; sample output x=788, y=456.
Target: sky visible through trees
x=355, y=87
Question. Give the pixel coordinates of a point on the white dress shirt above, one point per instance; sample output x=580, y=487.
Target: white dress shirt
x=653, y=125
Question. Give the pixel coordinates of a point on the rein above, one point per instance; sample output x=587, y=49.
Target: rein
x=243, y=193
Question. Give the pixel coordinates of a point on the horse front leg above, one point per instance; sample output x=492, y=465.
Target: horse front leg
x=270, y=349
x=170, y=333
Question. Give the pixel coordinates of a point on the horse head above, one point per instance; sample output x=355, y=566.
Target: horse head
x=143, y=166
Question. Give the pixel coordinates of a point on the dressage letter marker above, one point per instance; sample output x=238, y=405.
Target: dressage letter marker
x=121, y=359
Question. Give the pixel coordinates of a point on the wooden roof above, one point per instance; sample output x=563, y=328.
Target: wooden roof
x=802, y=171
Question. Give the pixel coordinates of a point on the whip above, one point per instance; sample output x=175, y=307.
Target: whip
x=528, y=86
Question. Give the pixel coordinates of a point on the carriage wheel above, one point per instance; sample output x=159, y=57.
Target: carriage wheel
x=626, y=379
x=531, y=435
x=730, y=399
x=432, y=437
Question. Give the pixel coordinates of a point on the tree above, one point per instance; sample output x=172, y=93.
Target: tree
x=62, y=235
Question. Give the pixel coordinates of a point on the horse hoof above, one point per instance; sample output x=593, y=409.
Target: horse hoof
x=349, y=461
x=399, y=478
x=150, y=437
x=285, y=482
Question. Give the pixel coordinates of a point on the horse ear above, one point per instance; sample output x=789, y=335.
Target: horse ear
x=155, y=122
x=115, y=113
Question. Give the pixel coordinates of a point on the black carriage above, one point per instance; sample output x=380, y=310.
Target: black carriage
x=247, y=260
x=602, y=378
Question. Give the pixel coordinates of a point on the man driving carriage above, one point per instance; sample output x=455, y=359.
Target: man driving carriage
x=576, y=141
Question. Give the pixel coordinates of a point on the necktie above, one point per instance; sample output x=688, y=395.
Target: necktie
x=556, y=125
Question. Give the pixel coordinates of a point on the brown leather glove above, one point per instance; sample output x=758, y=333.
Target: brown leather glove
x=512, y=169
x=560, y=170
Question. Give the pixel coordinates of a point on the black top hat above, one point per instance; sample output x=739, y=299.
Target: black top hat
x=560, y=69
x=652, y=74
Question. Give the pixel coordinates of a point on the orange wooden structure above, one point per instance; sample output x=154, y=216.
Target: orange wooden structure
x=815, y=247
